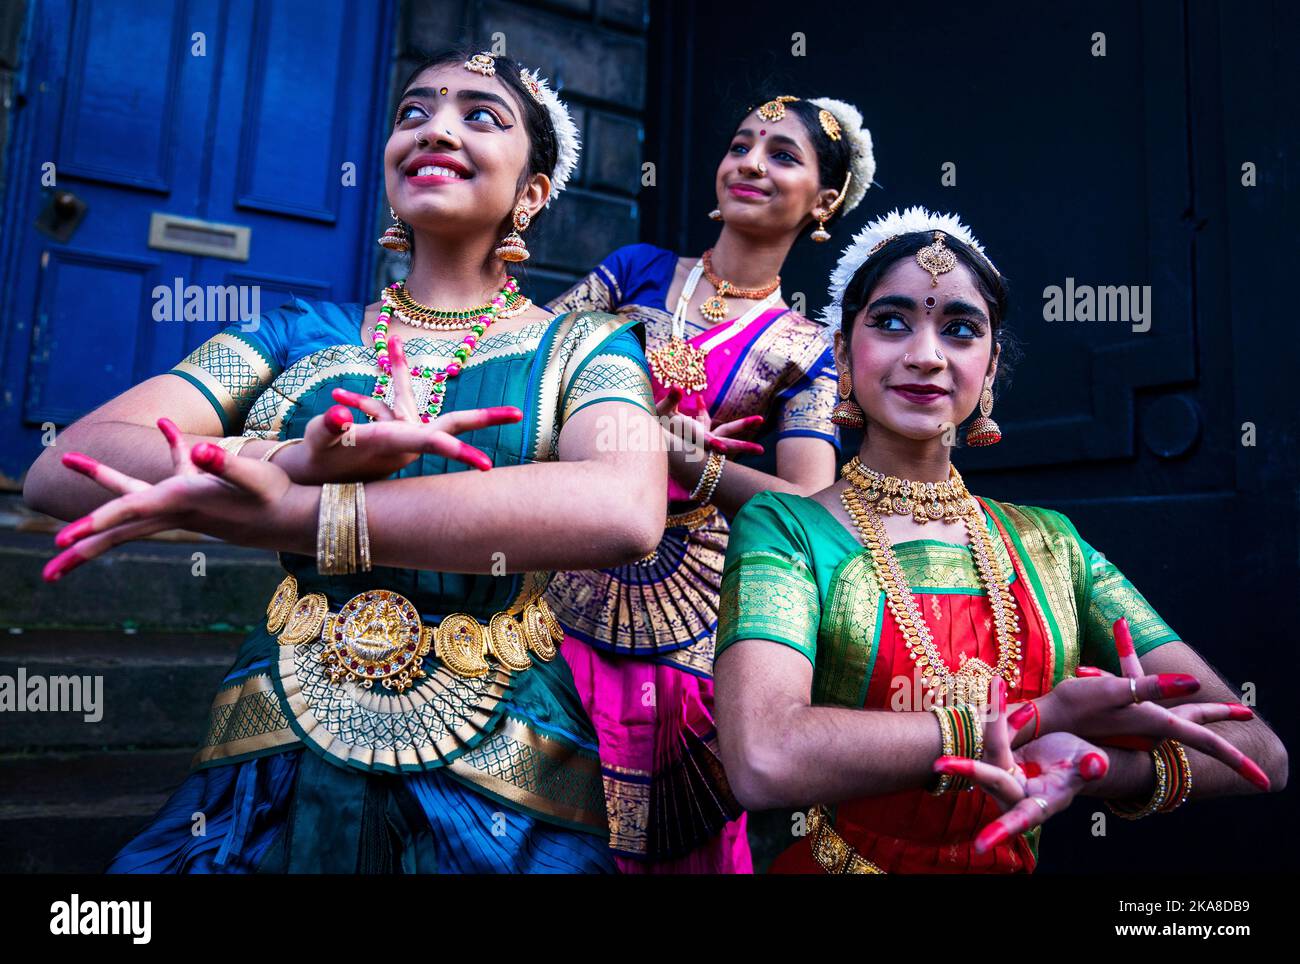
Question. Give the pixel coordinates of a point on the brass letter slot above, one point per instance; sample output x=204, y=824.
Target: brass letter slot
x=170, y=232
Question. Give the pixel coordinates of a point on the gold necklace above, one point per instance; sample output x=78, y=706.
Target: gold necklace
x=970, y=684
x=683, y=364
x=923, y=501
x=507, y=304
x=715, y=308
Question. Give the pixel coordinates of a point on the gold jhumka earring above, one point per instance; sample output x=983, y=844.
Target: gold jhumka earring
x=512, y=247
x=984, y=431
x=847, y=412
x=820, y=234
x=396, y=238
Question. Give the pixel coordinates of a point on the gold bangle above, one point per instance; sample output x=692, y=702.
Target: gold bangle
x=1181, y=785
x=1132, y=811
x=270, y=453
x=336, y=529
x=949, y=748
x=708, y=480
x=363, y=530
x=234, y=444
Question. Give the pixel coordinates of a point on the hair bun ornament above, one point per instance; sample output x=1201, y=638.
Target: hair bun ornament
x=862, y=160
x=567, y=138
x=876, y=234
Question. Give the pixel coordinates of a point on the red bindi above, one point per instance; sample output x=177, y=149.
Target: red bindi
x=762, y=133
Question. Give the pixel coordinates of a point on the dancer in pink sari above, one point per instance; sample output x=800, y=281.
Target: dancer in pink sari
x=727, y=356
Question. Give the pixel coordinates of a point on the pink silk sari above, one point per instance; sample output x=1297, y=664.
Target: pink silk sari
x=655, y=721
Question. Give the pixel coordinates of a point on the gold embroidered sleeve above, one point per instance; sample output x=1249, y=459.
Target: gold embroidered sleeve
x=231, y=369
x=608, y=365
x=596, y=292
x=768, y=595
x=807, y=406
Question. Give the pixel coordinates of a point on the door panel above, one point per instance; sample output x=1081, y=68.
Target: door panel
x=242, y=112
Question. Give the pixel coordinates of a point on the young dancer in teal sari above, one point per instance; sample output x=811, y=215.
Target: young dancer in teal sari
x=404, y=707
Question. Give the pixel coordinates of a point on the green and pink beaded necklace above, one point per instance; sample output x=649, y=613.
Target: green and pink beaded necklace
x=429, y=383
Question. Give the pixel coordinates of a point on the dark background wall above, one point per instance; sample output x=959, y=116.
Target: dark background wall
x=1117, y=170
x=1123, y=169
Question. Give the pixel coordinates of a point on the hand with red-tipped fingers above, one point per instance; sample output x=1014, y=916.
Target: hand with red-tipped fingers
x=701, y=431
x=1125, y=712
x=238, y=499
x=335, y=449
x=1030, y=784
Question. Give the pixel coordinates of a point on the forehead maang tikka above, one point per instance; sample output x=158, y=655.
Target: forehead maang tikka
x=482, y=64
x=774, y=110
x=936, y=258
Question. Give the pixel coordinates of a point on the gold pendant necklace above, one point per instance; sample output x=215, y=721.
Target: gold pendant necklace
x=681, y=364
x=970, y=683
x=715, y=307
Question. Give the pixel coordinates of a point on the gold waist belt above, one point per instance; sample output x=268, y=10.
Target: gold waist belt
x=378, y=636
x=831, y=850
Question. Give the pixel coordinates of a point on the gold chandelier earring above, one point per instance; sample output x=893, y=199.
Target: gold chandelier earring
x=396, y=238
x=984, y=431
x=512, y=247
x=847, y=412
x=820, y=234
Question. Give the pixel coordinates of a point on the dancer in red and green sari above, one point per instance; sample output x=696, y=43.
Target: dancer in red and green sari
x=868, y=653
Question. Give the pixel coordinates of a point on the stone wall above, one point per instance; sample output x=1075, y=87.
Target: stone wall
x=594, y=53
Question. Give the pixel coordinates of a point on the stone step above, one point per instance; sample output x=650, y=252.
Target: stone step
x=71, y=812
x=150, y=585
x=139, y=690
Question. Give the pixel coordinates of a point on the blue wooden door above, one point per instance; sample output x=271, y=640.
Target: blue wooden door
x=211, y=123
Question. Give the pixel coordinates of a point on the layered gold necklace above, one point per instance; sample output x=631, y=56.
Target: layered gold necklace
x=970, y=684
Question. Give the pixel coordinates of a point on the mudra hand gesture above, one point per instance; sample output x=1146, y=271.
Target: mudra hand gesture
x=700, y=430
x=1124, y=711
x=1029, y=784
x=337, y=450
x=210, y=491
